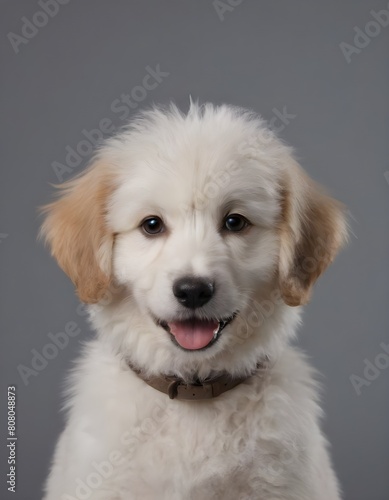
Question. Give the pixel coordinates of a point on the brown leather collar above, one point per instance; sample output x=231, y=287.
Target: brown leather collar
x=176, y=388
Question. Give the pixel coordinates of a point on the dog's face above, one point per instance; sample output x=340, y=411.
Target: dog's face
x=196, y=235
x=196, y=219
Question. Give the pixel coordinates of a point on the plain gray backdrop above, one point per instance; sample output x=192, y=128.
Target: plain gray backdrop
x=271, y=56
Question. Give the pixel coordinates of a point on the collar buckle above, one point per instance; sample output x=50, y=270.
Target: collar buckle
x=176, y=388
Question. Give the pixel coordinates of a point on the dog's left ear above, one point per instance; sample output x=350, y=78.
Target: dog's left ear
x=313, y=228
x=76, y=230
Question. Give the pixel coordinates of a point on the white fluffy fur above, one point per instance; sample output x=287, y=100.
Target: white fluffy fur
x=262, y=440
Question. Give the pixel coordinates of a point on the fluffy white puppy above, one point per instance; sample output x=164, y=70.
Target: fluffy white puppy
x=193, y=238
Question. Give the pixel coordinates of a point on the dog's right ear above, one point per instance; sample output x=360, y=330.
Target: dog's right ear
x=76, y=230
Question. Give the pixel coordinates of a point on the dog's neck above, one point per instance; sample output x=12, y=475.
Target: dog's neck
x=176, y=388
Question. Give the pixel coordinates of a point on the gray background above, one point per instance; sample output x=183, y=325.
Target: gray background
x=263, y=55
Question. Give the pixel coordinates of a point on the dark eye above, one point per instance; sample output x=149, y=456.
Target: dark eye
x=153, y=225
x=235, y=223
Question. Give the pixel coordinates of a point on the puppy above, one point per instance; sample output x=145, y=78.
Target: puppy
x=193, y=239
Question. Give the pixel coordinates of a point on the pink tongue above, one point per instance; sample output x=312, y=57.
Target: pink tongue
x=194, y=334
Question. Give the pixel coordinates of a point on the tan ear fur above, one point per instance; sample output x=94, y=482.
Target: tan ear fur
x=76, y=231
x=313, y=228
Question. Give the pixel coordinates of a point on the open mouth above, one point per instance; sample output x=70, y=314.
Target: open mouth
x=195, y=334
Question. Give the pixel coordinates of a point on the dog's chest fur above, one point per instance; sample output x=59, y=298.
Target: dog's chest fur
x=250, y=443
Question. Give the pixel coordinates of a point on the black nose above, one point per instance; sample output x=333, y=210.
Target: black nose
x=193, y=292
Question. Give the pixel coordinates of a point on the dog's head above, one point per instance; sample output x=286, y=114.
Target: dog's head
x=203, y=229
